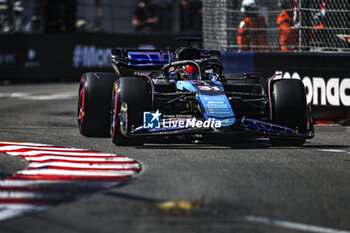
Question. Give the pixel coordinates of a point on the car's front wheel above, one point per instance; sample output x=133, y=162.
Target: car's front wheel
x=130, y=98
x=94, y=104
x=289, y=109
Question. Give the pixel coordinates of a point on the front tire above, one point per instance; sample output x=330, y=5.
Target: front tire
x=289, y=109
x=131, y=97
x=94, y=105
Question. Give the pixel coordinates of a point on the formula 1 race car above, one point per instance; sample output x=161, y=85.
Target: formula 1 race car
x=184, y=92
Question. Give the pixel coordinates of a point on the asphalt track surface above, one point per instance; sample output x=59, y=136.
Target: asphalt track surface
x=244, y=186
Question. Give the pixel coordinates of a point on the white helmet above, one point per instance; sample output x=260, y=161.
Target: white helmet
x=248, y=4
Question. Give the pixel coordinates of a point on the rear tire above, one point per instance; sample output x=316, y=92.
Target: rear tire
x=131, y=97
x=289, y=109
x=94, y=105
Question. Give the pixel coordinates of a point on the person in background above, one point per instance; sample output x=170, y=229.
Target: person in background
x=28, y=11
x=54, y=17
x=143, y=17
x=60, y=16
x=70, y=13
x=252, y=35
x=318, y=34
x=289, y=34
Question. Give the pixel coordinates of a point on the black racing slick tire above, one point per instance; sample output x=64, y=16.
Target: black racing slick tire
x=131, y=97
x=94, y=105
x=289, y=109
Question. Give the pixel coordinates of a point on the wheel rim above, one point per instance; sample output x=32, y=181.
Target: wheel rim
x=81, y=103
x=113, y=112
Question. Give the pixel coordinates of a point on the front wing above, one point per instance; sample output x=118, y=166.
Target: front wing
x=243, y=126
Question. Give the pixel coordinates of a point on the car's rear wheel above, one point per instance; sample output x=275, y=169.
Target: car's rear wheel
x=289, y=109
x=94, y=104
x=131, y=97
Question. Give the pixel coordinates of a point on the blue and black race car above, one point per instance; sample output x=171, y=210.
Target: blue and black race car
x=184, y=92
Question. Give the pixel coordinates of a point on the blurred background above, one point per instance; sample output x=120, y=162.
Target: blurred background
x=319, y=25
x=97, y=16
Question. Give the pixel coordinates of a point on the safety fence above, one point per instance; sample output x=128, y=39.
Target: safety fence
x=310, y=25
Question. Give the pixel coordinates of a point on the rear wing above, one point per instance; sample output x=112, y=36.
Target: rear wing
x=151, y=58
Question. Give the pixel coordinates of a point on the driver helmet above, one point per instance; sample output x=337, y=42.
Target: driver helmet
x=188, y=72
x=248, y=5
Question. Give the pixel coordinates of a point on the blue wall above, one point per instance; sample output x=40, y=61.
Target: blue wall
x=238, y=62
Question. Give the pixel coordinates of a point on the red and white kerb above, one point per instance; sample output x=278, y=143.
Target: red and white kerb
x=56, y=174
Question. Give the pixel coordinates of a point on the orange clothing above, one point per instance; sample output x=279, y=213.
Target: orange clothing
x=252, y=34
x=289, y=36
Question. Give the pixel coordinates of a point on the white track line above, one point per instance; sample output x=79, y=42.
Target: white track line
x=290, y=225
x=32, y=96
x=332, y=150
x=14, y=95
x=31, y=195
x=8, y=211
x=58, y=96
